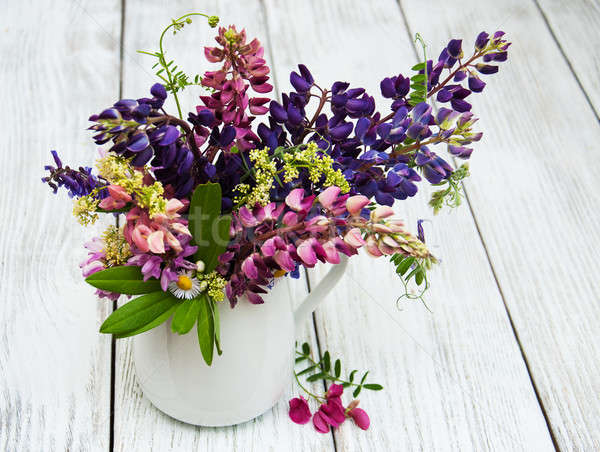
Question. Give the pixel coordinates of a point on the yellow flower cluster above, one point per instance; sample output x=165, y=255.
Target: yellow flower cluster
x=264, y=175
x=116, y=247
x=318, y=166
x=151, y=197
x=84, y=209
x=216, y=283
x=117, y=170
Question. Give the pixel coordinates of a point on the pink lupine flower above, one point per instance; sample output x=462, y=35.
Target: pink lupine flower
x=249, y=267
x=296, y=200
x=156, y=242
x=140, y=235
x=306, y=252
x=328, y=196
x=356, y=203
x=311, y=250
x=380, y=227
x=333, y=257
x=372, y=247
x=319, y=223
x=354, y=238
x=284, y=260
x=299, y=410
x=290, y=218
x=247, y=219
x=343, y=247
x=381, y=212
x=117, y=198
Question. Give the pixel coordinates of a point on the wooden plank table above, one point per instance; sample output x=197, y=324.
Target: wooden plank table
x=507, y=360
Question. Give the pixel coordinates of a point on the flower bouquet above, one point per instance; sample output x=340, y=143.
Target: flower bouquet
x=219, y=205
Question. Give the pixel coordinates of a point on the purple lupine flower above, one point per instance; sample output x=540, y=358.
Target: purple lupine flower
x=435, y=169
x=78, y=183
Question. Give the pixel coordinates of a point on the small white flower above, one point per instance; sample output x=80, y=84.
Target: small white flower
x=185, y=286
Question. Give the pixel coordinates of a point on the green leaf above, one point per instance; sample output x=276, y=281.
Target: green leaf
x=127, y=279
x=206, y=329
x=300, y=359
x=308, y=369
x=316, y=377
x=405, y=265
x=306, y=348
x=185, y=316
x=140, y=314
x=357, y=391
x=157, y=321
x=351, y=377
x=418, y=78
x=418, y=67
x=338, y=368
x=373, y=387
x=326, y=361
x=419, y=276
x=209, y=229
x=364, y=377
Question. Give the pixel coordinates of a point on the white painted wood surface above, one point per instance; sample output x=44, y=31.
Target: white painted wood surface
x=57, y=67
x=575, y=26
x=456, y=378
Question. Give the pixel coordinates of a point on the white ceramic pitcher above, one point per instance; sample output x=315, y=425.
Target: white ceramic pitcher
x=251, y=374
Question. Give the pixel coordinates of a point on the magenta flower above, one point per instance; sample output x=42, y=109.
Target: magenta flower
x=299, y=410
x=358, y=415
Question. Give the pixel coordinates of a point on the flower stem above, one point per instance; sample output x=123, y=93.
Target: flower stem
x=314, y=396
x=163, y=61
x=331, y=377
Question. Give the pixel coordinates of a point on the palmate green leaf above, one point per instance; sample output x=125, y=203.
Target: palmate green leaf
x=209, y=229
x=185, y=316
x=127, y=279
x=206, y=329
x=140, y=314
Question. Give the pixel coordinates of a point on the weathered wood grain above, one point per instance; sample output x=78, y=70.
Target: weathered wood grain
x=575, y=24
x=138, y=425
x=534, y=191
x=454, y=379
x=58, y=66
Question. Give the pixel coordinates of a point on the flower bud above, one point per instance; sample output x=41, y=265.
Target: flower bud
x=200, y=266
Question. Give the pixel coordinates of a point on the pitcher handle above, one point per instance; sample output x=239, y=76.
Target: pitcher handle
x=316, y=295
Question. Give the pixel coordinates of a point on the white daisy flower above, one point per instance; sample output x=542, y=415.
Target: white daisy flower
x=185, y=286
